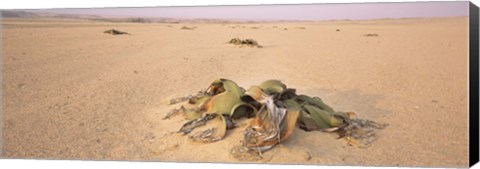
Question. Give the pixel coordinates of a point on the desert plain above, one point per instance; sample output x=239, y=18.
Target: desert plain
x=70, y=91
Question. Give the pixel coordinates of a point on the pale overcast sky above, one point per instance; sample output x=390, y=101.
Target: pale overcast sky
x=287, y=12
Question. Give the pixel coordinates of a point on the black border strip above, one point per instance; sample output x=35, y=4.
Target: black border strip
x=473, y=87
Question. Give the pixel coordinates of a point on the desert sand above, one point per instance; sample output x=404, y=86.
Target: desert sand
x=71, y=91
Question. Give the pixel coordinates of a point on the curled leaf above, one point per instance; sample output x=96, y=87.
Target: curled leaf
x=189, y=126
x=243, y=110
x=323, y=118
x=222, y=103
x=215, y=88
x=272, y=86
x=223, y=85
x=213, y=130
x=179, y=100
x=288, y=123
x=174, y=112
x=192, y=114
x=272, y=125
x=255, y=93
x=198, y=100
x=317, y=102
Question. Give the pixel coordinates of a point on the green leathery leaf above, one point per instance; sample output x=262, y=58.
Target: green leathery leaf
x=242, y=90
x=198, y=100
x=322, y=118
x=272, y=86
x=315, y=102
x=327, y=117
x=191, y=114
x=215, y=88
x=232, y=87
x=291, y=105
x=343, y=115
x=222, y=103
x=256, y=93
x=243, y=110
x=288, y=94
x=301, y=117
x=290, y=120
x=306, y=121
x=335, y=121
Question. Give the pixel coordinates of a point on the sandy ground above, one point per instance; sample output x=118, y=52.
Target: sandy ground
x=72, y=92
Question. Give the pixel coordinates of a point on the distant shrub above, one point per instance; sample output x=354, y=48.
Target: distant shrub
x=246, y=42
x=371, y=35
x=139, y=20
x=188, y=28
x=115, y=32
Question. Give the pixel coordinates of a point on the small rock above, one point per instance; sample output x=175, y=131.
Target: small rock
x=308, y=155
x=21, y=85
x=434, y=101
x=149, y=136
x=10, y=124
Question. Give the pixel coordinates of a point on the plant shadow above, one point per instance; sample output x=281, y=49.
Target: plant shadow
x=363, y=104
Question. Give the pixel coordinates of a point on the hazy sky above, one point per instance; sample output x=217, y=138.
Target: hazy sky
x=288, y=12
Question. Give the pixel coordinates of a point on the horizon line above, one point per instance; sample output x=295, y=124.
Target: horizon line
x=353, y=11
